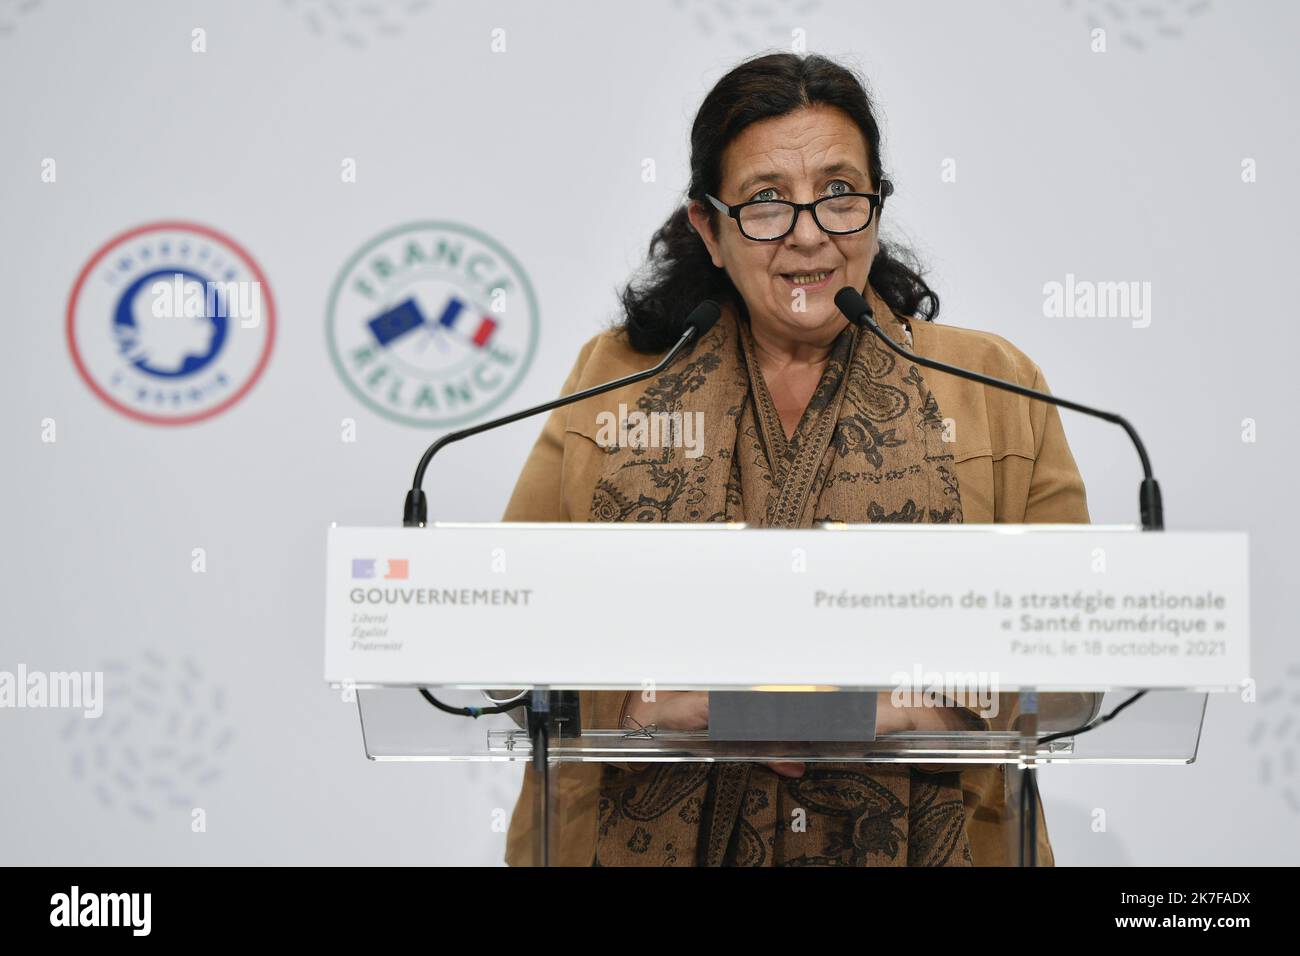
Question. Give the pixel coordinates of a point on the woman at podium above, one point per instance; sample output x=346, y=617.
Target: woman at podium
x=805, y=419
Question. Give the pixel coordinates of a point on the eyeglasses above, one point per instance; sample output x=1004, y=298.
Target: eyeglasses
x=766, y=220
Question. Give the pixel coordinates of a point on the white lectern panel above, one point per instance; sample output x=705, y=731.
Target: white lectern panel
x=1076, y=607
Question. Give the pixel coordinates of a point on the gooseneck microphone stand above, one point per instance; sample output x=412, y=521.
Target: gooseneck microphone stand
x=858, y=311
x=549, y=714
x=415, y=513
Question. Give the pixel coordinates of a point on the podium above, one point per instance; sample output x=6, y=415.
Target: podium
x=1067, y=643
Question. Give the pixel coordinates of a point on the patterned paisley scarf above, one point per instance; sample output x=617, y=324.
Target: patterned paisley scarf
x=869, y=448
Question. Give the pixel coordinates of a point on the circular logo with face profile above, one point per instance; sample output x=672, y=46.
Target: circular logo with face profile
x=432, y=324
x=170, y=323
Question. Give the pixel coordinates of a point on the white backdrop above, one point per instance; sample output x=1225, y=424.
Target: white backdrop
x=1117, y=166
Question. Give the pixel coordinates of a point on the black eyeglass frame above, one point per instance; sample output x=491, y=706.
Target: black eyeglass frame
x=876, y=201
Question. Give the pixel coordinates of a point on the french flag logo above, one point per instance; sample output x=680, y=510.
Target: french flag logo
x=393, y=569
x=456, y=318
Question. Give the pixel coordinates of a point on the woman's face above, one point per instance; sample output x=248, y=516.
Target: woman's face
x=802, y=156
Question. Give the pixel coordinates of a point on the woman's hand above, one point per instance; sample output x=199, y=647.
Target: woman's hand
x=892, y=718
x=670, y=710
x=686, y=710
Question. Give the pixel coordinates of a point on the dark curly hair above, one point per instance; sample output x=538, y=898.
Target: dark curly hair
x=678, y=273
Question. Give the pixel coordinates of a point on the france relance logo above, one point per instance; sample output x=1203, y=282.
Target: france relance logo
x=432, y=324
x=170, y=323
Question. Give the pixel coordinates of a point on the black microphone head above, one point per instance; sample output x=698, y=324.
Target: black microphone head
x=853, y=304
x=702, y=318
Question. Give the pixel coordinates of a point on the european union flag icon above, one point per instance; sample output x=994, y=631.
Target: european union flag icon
x=396, y=322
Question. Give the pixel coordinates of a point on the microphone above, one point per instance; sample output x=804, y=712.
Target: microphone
x=553, y=714
x=858, y=311
x=415, y=513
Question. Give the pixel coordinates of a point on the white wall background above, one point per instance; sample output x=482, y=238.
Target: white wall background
x=1116, y=166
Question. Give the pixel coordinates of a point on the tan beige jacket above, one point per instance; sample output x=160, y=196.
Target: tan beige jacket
x=1013, y=465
